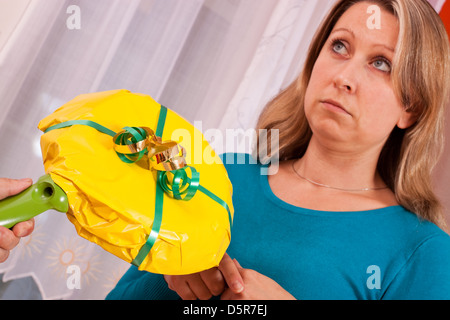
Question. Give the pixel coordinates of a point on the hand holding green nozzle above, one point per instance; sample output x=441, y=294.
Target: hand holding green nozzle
x=42, y=196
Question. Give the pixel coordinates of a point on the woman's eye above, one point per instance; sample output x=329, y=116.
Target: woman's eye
x=382, y=65
x=339, y=47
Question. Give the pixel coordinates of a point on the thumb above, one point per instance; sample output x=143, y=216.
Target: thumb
x=237, y=265
x=11, y=187
x=231, y=274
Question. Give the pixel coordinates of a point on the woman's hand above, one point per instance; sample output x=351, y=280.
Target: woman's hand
x=257, y=287
x=9, y=239
x=209, y=283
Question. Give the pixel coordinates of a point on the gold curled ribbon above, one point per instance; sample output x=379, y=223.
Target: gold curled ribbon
x=132, y=143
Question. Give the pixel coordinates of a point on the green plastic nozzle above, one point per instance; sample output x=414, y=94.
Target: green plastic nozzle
x=44, y=195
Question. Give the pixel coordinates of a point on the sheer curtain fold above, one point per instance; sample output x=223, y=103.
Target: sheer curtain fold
x=277, y=61
x=22, y=49
x=152, y=43
x=215, y=62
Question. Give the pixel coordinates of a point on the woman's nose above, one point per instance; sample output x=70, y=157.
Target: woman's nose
x=346, y=78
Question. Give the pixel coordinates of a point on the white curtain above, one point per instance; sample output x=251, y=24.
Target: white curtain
x=214, y=61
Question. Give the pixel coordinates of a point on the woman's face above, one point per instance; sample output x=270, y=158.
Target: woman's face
x=350, y=102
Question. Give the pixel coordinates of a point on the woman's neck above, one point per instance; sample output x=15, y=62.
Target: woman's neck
x=345, y=170
x=340, y=181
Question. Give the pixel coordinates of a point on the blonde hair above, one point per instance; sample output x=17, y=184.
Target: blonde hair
x=421, y=81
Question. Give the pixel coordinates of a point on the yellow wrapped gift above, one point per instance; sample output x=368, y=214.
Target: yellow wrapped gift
x=127, y=166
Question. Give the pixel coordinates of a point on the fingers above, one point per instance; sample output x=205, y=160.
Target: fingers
x=180, y=286
x=9, y=239
x=198, y=289
x=10, y=187
x=230, y=294
x=23, y=229
x=190, y=287
x=7, y=242
x=4, y=254
x=214, y=281
x=231, y=274
x=237, y=265
x=209, y=283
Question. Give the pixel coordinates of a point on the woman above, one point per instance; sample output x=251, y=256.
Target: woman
x=350, y=214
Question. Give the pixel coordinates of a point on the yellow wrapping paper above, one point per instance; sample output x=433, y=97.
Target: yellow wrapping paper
x=112, y=203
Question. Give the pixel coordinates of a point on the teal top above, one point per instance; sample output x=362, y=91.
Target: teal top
x=387, y=253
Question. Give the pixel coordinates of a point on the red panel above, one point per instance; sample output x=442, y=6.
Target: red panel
x=445, y=15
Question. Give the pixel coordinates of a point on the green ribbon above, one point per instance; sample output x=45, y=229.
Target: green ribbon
x=129, y=136
x=89, y=123
x=179, y=187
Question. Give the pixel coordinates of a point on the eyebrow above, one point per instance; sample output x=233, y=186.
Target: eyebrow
x=353, y=35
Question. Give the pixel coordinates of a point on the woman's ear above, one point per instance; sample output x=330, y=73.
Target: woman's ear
x=407, y=118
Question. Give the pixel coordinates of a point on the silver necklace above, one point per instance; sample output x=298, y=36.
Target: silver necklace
x=334, y=188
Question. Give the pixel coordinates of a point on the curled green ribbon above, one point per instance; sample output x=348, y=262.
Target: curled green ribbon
x=181, y=187
x=132, y=136
x=131, y=145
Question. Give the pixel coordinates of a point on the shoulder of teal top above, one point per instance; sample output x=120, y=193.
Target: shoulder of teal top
x=425, y=274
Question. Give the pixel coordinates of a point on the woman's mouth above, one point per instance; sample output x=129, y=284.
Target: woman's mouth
x=334, y=106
